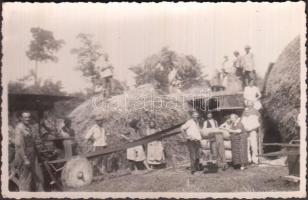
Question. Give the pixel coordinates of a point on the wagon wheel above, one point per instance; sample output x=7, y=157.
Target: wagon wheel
x=77, y=172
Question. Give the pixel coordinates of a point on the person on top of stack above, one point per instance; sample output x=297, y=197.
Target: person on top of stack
x=191, y=131
x=97, y=137
x=155, y=149
x=173, y=80
x=249, y=66
x=107, y=75
x=68, y=134
x=250, y=120
x=135, y=155
x=252, y=94
x=238, y=142
x=226, y=70
x=230, y=81
x=216, y=140
x=238, y=65
x=26, y=156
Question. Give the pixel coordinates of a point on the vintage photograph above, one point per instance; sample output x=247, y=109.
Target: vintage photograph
x=153, y=100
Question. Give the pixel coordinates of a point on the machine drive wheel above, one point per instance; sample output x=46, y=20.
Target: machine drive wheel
x=77, y=172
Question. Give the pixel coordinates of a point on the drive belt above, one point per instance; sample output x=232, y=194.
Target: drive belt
x=150, y=138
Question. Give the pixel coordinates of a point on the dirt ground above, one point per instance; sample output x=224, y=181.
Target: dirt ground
x=255, y=178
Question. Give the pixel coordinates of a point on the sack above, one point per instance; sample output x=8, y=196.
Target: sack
x=228, y=155
x=257, y=105
x=205, y=144
x=227, y=145
x=206, y=132
x=250, y=122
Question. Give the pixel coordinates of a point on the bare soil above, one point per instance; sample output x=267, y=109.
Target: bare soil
x=254, y=179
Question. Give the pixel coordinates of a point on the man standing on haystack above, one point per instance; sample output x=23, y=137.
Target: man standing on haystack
x=191, y=130
x=98, y=138
x=249, y=66
x=238, y=65
x=107, y=75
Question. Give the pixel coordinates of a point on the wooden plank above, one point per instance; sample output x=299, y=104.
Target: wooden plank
x=291, y=178
x=281, y=144
x=280, y=153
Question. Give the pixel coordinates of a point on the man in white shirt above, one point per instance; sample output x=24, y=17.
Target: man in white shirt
x=251, y=123
x=97, y=137
x=252, y=94
x=191, y=130
x=248, y=65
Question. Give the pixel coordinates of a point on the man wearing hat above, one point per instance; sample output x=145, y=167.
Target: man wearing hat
x=97, y=137
x=191, y=130
x=248, y=65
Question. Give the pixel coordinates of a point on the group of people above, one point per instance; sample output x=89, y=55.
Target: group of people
x=26, y=153
x=243, y=67
x=243, y=132
x=139, y=156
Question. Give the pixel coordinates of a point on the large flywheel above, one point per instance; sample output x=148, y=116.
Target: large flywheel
x=77, y=172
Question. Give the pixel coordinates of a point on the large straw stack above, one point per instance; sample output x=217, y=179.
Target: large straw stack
x=282, y=92
x=135, y=104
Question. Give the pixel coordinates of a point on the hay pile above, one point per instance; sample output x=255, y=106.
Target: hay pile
x=282, y=92
x=134, y=105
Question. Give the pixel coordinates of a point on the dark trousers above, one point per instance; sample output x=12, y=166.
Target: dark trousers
x=218, y=149
x=248, y=76
x=194, y=154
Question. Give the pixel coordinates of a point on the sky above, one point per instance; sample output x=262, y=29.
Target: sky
x=130, y=32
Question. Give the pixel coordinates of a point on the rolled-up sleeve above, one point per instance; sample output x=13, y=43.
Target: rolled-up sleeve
x=20, y=144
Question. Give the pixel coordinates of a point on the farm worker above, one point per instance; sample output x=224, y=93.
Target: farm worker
x=155, y=149
x=223, y=71
x=191, y=130
x=26, y=158
x=250, y=120
x=238, y=65
x=97, y=136
x=107, y=75
x=173, y=80
x=238, y=142
x=210, y=122
x=135, y=155
x=252, y=94
x=68, y=134
x=224, y=127
x=215, y=138
x=248, y=65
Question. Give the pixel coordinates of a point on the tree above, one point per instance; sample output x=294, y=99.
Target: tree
x=42, y=87
x=155, y=69
x=91, y=60
x=42, y=48
x=88, y=54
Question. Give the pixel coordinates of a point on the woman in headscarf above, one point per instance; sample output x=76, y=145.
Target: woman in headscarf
x=135, y=155
x=238, y=142
x=155, y=150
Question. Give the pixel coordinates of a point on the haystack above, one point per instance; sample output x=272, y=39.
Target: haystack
x=282, y=92
x=144, y=103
